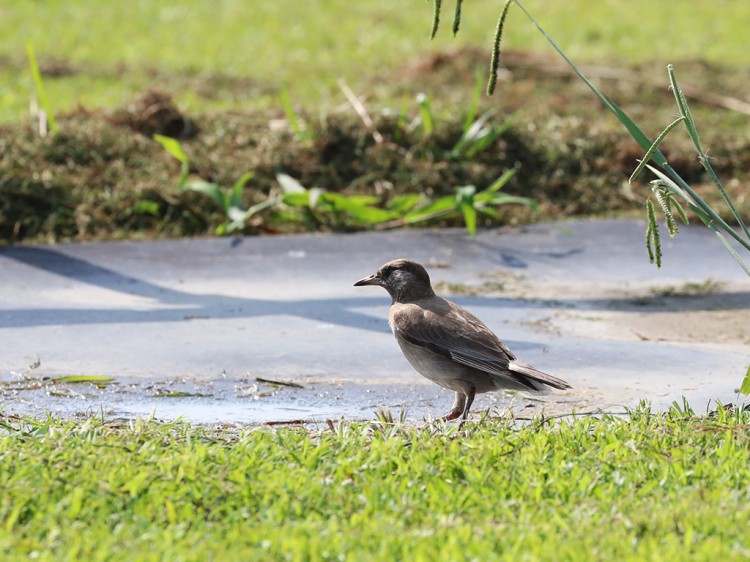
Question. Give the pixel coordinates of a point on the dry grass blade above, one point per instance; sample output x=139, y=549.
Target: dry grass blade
x=279, y=383
x=361, y=110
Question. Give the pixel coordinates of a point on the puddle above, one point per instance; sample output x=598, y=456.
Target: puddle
x=244, y=401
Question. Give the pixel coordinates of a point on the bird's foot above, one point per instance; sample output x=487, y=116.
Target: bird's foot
x=455, y=413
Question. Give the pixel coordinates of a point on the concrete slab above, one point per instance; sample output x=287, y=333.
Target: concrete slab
x=577, y=299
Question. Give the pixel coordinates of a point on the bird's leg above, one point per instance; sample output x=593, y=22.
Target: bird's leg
x=459, y=405
x=468, y=399
x=470, y=393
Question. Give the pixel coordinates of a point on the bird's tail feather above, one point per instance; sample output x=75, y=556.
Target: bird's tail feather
x=537, y=376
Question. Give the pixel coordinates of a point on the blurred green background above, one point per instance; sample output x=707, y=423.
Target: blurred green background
x=238, y=54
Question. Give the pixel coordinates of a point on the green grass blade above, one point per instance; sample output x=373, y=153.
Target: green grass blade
x=212, y=190
x=471, y=133
x=466, y=204
x=184, y=173
x=39, y=84
x=369, y=200
x=634, y=130
x=286, y=102
x=439, y=207
x=83, y=378
x=470, y=217
x=696, y=203
x=425, y=112
x=693, y=132
x=699, y=202
x=666, y=181
x=296, y=199
x=497, y=199
x=489, y=211
x=729, y=248
x=486, y=139
x=237, y=189
x=403, y=203
x=727, y=200
x=745, y=388
x=476, y=94
x=362, y=212
x=500, y=182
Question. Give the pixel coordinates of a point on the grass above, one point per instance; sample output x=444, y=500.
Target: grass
x=240, y=55
x=644, y=487
x=688, y=289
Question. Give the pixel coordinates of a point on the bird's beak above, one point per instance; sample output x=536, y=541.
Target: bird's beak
x=373, y=279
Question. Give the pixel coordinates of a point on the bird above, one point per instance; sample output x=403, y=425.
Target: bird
x=447, y=344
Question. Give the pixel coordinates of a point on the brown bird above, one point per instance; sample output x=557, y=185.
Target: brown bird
x=447, y=344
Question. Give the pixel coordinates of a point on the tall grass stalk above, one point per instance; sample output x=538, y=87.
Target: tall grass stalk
x=670, y=179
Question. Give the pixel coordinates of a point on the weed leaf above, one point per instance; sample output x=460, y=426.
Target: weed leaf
x=213, y=190
x=172, y=146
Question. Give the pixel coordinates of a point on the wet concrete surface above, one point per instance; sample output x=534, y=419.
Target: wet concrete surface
x=241, y=401
x=576, y=299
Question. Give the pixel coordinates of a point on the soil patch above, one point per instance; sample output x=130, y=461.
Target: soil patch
x=103, y=177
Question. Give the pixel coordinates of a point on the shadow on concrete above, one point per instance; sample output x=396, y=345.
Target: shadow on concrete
x=190, y=306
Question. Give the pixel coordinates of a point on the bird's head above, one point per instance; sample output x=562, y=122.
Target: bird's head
x=405, y=280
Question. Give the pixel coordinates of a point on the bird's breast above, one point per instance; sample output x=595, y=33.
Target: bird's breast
x=398, y=312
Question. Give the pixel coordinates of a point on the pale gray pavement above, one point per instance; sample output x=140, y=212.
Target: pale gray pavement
x=210, y=315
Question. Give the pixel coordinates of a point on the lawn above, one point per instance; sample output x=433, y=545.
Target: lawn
x=644, y=486
x=234, y=55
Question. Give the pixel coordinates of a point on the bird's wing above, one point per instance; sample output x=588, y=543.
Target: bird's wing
x=534, y=373
x=448, y=330
x=452, y=332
